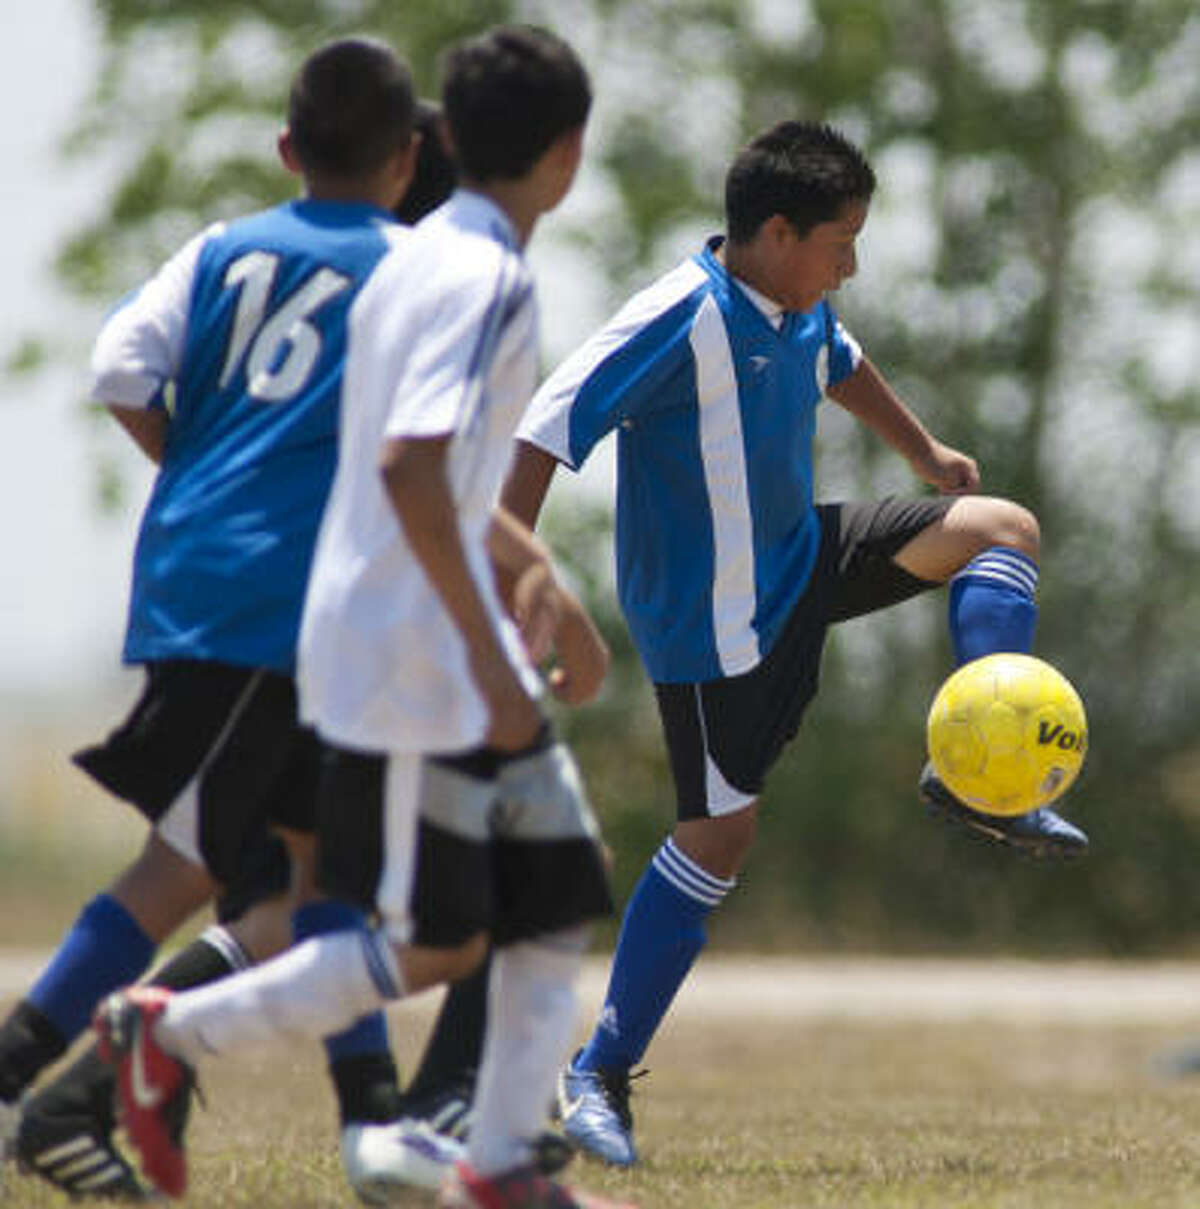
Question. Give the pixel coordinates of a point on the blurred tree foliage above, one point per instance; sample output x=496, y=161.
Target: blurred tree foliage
x=1029, y=282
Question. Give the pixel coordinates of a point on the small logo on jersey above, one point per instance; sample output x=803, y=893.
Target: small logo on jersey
x=758, y=363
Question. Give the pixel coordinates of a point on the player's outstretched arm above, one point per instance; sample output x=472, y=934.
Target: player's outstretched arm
x=868, y=397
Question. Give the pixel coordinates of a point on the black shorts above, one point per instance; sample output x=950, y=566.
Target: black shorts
x=723, y=736
x=214, y=756
x=503, y=843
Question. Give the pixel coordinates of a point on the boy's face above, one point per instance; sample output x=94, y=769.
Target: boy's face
x=803, y=269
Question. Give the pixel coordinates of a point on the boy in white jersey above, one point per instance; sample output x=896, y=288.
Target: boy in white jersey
x=213, y=753
x=415, y=677
x=729, y=573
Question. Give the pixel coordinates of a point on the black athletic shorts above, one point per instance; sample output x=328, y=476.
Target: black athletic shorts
x=504, y=843
x=214, y=756
x=723, y=736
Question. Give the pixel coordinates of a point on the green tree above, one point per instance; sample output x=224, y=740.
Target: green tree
x=1029, y=282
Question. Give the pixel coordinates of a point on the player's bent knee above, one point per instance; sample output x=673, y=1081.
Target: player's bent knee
x=1013, y=525
x=977, y=523
x=719, y=845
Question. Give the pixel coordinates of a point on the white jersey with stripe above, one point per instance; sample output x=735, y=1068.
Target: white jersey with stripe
x=443, y=342
x=715, y=409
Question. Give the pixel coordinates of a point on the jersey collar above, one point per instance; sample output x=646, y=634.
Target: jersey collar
x=479, y=213
x=770, y=310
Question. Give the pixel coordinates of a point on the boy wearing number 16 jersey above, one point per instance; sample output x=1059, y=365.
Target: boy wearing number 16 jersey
x=226, y=369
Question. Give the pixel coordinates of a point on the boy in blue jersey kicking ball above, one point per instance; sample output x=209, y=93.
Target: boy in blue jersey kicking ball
x=247, y=325
x=729, y=573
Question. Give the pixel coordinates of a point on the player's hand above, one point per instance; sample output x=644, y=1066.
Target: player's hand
x=951, y=472
x=537, y=609
x=516, y=720
x=582, y=654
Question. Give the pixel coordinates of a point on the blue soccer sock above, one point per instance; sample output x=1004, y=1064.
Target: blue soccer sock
x=992, y=606
x=105, y=949
x=661, y=935
x=368, y=1035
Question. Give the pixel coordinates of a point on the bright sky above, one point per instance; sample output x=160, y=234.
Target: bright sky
x=65, y=566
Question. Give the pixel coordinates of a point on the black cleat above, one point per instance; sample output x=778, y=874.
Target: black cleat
x=75, y=1153
x=1040, y=833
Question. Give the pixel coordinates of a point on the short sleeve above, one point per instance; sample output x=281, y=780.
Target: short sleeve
x=845, y=352
x=141, y=345
x=452, y=346
x=638, y=363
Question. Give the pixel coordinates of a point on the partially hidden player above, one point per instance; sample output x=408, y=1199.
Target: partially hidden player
x=226, y=368
x=729, y=573
x=416, y=679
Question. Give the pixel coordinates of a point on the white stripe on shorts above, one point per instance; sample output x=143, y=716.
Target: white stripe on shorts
x=720, y=798
x=401, y=805
x=179, y=825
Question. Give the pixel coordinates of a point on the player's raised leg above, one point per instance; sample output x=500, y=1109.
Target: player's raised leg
x=989, y=549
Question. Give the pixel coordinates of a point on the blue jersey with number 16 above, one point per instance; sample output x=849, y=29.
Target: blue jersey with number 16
x=243, y=333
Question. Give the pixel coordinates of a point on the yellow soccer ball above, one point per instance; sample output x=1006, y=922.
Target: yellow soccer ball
x=1007, y=734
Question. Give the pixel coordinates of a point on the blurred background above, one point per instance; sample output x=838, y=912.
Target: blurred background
x=1029, y=280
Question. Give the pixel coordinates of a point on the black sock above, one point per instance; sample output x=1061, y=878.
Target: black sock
x=367, y=1088
x=209, y=957
x=453, y=1051
x=29, y=1042
x=87, y=1085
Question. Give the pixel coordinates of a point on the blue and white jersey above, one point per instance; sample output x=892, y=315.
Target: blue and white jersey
x=715, y=409
x=247, y=323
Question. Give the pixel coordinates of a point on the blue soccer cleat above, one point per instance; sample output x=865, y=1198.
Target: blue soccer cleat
x=593, y=1106
x=1040, y=833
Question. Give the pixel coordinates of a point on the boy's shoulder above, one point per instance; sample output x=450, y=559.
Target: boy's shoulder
x=455, y=256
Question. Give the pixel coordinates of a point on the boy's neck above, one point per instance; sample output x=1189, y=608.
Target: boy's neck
x=348, y=195
x=741, y=264
x=517, y=198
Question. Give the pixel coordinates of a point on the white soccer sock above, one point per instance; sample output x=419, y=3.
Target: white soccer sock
x=531, y=1017
x=314, y=989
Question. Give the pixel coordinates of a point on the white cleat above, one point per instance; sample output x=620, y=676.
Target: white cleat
x=384, y=1162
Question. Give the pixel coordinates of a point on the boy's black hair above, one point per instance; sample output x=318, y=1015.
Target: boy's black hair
x=805, y=171
x=508, y=95
x=435, y=174
x=351, y=106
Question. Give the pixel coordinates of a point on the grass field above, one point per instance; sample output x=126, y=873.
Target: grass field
x=766, y=1112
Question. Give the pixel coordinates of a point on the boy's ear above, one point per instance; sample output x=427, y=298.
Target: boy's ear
x=778, y=230
x=287, y=152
